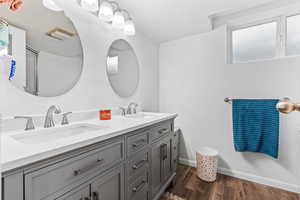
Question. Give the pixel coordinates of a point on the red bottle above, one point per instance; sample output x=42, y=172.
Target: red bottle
x=105, y=114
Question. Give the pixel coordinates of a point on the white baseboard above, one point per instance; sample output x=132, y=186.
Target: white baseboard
x=187, y=162
x=249, y=177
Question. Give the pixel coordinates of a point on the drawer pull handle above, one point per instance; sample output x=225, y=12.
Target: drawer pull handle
x=139, y=187
x=138, y=143
x=163, y=131
x=164, y=151
x=81, y=171
x=95, y=196
x=139, y=164
x=86, y=198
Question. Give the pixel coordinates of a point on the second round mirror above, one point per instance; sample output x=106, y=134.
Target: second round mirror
x=122, y=68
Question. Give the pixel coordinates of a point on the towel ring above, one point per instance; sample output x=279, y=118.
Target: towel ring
x=286, y=106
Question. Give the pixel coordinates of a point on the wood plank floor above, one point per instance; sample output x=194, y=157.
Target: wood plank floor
x=189, y=187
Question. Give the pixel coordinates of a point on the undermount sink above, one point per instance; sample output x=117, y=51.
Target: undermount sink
x=56, y=133
x=143, y=115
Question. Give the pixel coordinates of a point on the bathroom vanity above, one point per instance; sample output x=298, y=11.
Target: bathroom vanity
x=130, y=157
x=135, y=161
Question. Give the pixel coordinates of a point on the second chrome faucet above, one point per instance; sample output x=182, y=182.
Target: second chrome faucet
x=131, y=109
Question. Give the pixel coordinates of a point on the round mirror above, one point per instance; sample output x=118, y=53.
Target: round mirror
x=46, y=47
x=122, y=68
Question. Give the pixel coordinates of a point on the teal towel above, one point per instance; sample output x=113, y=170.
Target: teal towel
x=256, y=126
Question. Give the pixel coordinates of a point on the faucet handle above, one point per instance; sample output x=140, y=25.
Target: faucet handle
x=65, y=120
x=29, y=124
x=123, y=110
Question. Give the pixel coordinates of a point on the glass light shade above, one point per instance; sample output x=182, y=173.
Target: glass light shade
x=51, y=5
x=90, y=5
x=129, y=27
x=118, y=21
x=106, y=12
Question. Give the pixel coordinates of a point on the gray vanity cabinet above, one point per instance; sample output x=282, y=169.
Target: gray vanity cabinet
x=138, y=165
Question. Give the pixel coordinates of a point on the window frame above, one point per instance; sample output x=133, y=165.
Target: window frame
x=279, y=38
x=285, y=33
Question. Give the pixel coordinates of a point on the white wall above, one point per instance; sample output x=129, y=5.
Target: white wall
x=93, y=90
x=194, y=80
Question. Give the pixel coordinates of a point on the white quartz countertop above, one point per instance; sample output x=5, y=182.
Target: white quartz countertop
x=15, y=154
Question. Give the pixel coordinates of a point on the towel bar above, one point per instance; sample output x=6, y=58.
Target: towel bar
x=284, y=105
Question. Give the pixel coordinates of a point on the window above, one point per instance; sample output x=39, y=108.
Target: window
x=293, y=35
x=254, y=43
x=270, y=39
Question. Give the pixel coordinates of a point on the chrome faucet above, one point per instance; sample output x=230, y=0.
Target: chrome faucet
x=123, y=111
x=132, y=108
x=49, y=121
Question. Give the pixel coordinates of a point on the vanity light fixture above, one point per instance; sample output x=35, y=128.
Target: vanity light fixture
x=129, y=27
x=51, y=5
x=118, y=21
x=90, y=5
x=111, y=13
x=106, y=11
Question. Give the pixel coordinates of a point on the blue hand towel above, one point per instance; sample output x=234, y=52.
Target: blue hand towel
x=256, y=126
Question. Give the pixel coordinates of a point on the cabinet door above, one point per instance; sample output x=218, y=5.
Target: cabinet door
x=81, y=193
x=109, y=186
x=167, y=167
x=161, y=168
x=156, y=167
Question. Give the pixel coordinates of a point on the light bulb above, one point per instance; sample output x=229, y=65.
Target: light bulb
x=106, y=12
x=129, y=27
x=50, y=4
x=90, y=5
x=118, y=20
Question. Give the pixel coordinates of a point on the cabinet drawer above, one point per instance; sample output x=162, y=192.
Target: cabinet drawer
x=139, y=188
x=44, y=182
x=137, y=142
x=161, y=130
x=137, y=163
